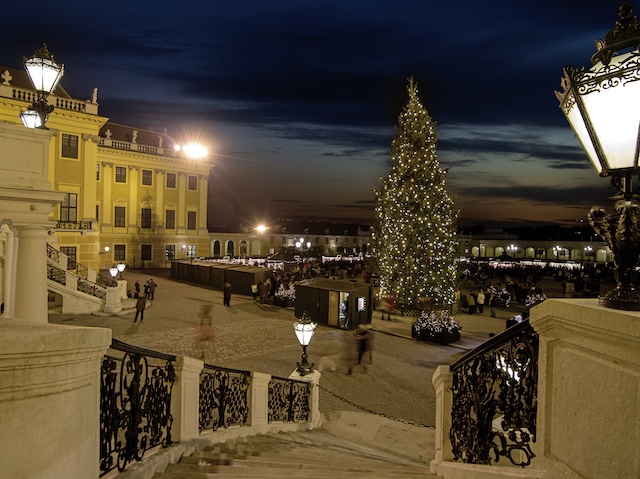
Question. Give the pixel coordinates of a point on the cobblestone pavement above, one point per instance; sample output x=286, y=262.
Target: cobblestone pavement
x=250, y=336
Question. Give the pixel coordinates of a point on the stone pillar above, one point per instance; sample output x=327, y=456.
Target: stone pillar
x=9, y=276
x=588, y=423
x=442, y=380
x=182, y=204
x=315, y=417
x=202, y=205
x=185, y=400
x=31, y=274
x=259, y=399
x=89, y=163
x=50, y=399
x=107, y=206
x=160, y=199
x=134, y=207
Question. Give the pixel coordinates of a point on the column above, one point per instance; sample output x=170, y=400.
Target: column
x=182, y=204
x=31, y=274
x=107, y=207
x=88, y=199
x=442, y=380
x=259, y=408
x=134, y=207
x=185, y=402
x=160, y=197
x=8, y=287
x=202, y=207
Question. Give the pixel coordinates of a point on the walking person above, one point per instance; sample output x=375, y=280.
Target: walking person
x=227, y=290
x=471, y=302
x=263, y=292
x=152, y=288
x=480, y=301
x=146, y=290
x=493, y=302
x=140, y=305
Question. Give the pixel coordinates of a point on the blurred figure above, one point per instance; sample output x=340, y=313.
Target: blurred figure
x=205, y=332
x=365, y=342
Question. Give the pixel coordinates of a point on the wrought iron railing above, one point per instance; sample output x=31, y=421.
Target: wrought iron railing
x=73, y=225
x=56, y=274
x=53, y=253
x=288, y=400
x=495, y=399
x=223, y=397
x=135, y=404
x=106, y=281
x=89, y=287
x=80, y=269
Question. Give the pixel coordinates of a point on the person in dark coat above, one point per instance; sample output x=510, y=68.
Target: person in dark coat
x=140, y=305
x=227, y=290
x=137, y=289
x=262, y=292
x=152, y=288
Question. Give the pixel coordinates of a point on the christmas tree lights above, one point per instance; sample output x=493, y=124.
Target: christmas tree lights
x=415, y=238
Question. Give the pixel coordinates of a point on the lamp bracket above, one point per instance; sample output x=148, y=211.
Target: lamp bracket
x=625, y=34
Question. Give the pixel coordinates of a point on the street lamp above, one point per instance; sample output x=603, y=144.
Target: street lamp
x=113, y=271
x=304, y=331
x=602, y=105
x=120, y=267
x=44, y=74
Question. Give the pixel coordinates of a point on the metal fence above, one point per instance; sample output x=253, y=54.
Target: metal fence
x=495, y=401
x=288, y=400
x=135, y=404
x=223, y=397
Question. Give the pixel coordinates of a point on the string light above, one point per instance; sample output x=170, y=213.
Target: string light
x=415, y=239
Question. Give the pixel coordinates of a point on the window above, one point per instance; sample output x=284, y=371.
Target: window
x=119, y=253
x=191, y=251
x=145, y=218
x=284, y=240
x=326, y=241
x=147, y=177
x=170, y=224
x=171, y=180
x=145, y=252
x=121, y=174
x=98, y=213
x=191, y=220
x=119, y=220
x=170, y=252
x=69, y=146
x=69, y=208
x=98, y=172
x=193, y=183
x=272, y=239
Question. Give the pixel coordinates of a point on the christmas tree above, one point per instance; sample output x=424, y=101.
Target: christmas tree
x=415, y=239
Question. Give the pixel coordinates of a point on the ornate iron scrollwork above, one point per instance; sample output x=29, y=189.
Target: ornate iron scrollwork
x=288, y=400
x=496, y=382
x=56, y=274
x=223, y=398
x=135, y=407
x=91, y=288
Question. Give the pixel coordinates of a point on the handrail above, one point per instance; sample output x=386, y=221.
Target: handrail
x=492, y=343
x=128, y=348
x=135, y=405
x=497, y=382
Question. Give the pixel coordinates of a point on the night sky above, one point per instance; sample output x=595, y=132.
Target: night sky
x=297, y=100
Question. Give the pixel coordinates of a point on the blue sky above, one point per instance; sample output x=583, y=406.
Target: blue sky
x=297, y=100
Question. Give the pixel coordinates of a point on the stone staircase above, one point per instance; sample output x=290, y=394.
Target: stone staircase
x=310, y=454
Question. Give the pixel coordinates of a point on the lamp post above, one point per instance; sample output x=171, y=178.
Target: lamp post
x=120, y=267
x=44, y=74
x=602, y=105
x=113, y=271
x=304, y=331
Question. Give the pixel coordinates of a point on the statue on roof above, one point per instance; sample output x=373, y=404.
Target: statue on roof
x=135, y=136
x=6, y=76
x=94, y=96
x=160, y=140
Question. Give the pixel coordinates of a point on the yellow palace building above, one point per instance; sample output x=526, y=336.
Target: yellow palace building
x=132, y=195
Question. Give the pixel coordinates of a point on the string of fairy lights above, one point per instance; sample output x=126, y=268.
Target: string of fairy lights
x=415, y=239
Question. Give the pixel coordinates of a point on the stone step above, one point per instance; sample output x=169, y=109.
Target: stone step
x=313, y=454
x=289, y=470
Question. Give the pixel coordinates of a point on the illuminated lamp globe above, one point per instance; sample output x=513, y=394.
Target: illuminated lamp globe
x=43, y=71
x=195, y=151
x=31, y=119
x=113, y=271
